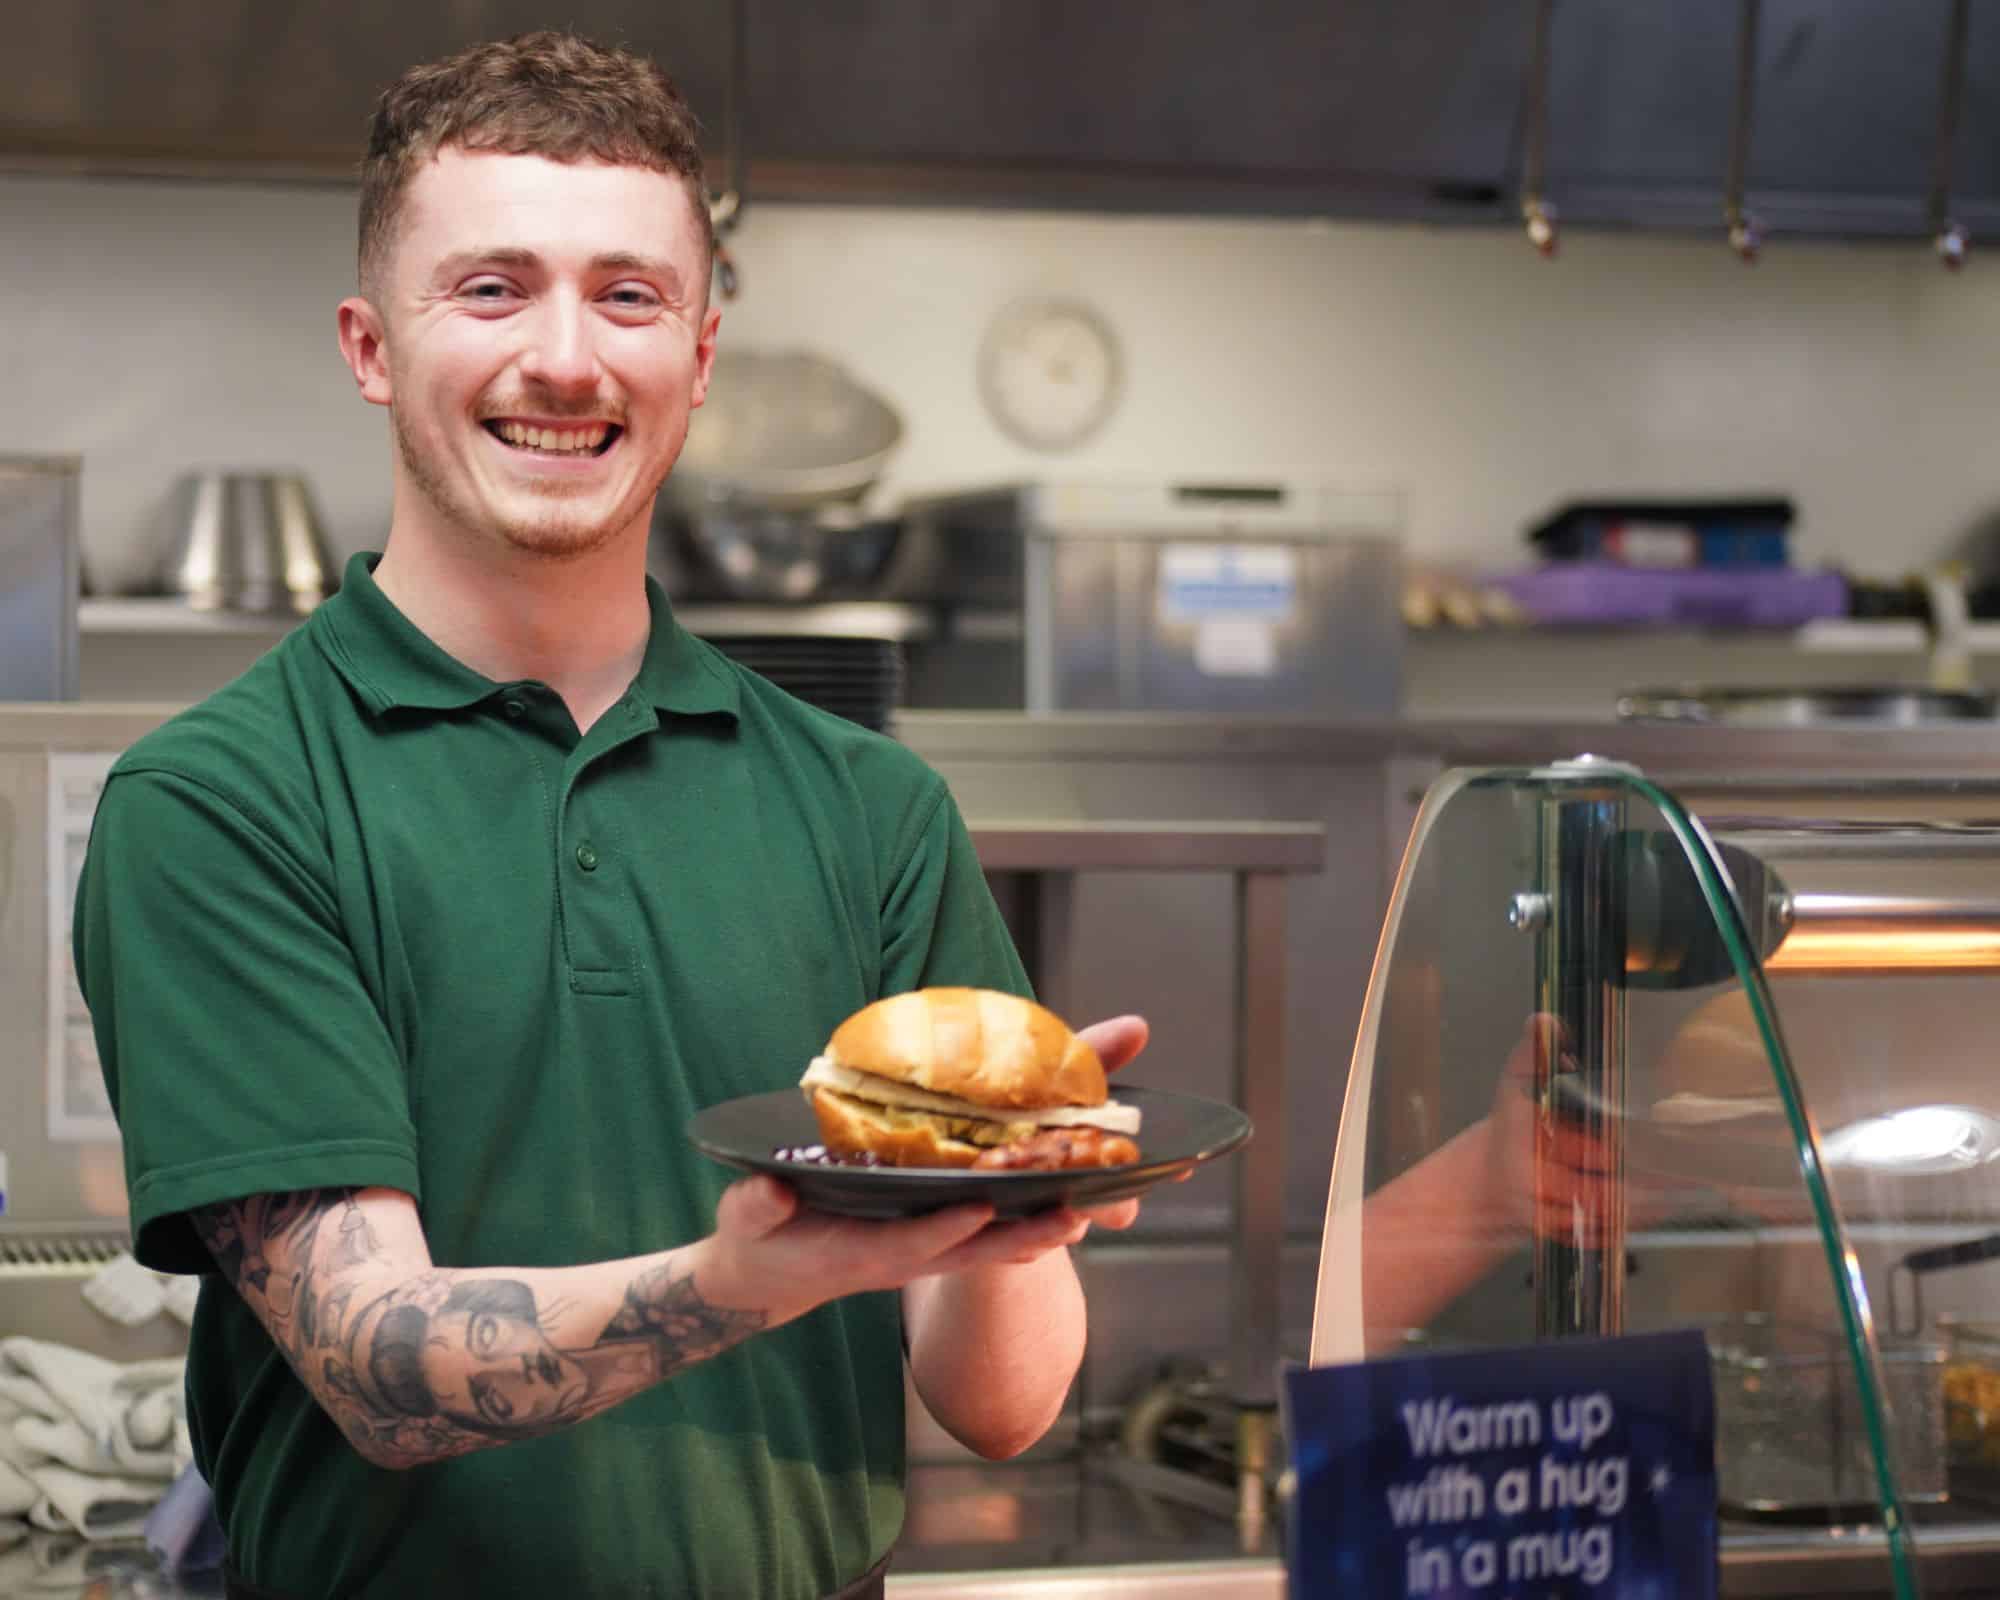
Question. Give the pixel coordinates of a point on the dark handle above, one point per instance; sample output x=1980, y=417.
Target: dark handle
x=1919, y=1262
x=1962, y=1254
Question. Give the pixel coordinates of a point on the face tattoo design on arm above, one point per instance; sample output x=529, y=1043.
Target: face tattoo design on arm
x=443, y=1361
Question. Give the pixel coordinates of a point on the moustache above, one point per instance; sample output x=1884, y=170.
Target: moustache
x=550, y=409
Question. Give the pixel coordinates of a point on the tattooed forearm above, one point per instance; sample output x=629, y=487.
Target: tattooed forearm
x=242, y=1236
x=416, y=1365
x=676, y=1323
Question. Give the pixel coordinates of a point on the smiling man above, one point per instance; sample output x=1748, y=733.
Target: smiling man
x=411, y=953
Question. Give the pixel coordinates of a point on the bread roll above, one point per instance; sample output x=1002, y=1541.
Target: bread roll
x=974, y=1044
x=965, y=1077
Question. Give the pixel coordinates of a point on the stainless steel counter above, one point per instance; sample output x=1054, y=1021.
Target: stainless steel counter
x=1166, y=1580
x=1970, y=750
x=1814, y=1562
x=1961, y=750
x=1816, y=1567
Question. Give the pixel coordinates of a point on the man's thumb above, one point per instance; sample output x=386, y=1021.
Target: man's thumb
x=755, y=1207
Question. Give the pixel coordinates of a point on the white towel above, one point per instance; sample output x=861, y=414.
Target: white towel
x=25, y=1397
x=18, y=1493
x=97, y=1441
x=95, y=1506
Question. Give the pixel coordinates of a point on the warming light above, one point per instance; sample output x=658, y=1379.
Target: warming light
x=1918, y=1141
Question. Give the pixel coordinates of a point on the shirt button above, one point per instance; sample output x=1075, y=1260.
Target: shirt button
x=515, y=708
x=586, y=858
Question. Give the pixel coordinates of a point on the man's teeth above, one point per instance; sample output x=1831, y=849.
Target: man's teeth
x=571, y=441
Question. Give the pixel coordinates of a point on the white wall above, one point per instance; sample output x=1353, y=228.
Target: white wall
x=150, y=326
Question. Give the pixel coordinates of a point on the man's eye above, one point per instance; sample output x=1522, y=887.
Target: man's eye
x=633, y=299
x=488, y=291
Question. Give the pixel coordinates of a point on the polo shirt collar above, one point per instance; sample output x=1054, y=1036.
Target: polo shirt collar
x=392, y=663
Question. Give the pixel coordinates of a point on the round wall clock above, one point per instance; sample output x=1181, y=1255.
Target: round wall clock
x=1049, y=373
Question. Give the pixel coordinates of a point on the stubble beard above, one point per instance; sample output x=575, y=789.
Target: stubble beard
x=555, y=534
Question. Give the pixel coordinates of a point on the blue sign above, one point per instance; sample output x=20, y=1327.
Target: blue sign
x=1580, y=1467
x=1199, y=582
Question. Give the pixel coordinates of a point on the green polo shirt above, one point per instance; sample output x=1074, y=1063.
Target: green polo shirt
x=366, y=917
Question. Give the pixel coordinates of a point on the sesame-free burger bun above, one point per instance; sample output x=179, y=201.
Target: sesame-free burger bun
x=966, y=1077
x=981, y=1045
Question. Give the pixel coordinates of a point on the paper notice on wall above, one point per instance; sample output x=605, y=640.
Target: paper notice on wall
x=78, y=1109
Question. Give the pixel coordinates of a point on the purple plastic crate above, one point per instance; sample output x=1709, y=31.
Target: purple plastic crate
x=1581, y=592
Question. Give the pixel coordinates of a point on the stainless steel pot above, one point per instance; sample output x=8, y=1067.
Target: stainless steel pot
x=247, y=541
x=784, y=430
x=1889, y=704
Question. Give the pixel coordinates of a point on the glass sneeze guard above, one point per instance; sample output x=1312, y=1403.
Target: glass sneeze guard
x=1572, y=1110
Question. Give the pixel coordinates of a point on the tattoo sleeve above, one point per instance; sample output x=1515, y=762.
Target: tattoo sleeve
x=417, y=1363
x=668, y=1317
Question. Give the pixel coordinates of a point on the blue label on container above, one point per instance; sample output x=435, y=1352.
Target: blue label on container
x=1205, y=582
x=1582, y=1467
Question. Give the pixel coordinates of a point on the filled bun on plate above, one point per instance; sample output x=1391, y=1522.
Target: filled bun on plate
x=967, y=1078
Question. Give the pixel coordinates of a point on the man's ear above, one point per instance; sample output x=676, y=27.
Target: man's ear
x=704, y=354
x=364, y=347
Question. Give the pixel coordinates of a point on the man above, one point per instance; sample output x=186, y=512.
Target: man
x=411, y=952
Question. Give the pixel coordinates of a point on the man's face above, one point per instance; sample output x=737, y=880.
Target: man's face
x=489, y=1367
x=547, y=334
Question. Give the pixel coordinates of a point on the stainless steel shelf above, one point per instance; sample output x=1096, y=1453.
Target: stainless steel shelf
x=164, y=614
x=858, y=619
x=1830, y=636
x=861, y=619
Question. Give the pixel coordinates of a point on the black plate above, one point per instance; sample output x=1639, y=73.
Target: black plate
x=1177, y=1132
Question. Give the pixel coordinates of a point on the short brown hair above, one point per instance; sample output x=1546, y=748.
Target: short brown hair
x=546, y=94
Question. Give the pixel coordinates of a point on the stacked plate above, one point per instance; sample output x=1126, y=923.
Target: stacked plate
x=860, y=679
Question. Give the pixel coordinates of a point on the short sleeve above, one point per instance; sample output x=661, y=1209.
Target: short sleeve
x=939, y=923
x=241, y=1050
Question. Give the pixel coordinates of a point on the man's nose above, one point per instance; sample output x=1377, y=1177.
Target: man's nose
x=559, y=352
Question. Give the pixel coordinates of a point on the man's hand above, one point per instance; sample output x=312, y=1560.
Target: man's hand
x=770, y=1251
x=993, y=1349
x=993, y=1309
x=1117, y=1041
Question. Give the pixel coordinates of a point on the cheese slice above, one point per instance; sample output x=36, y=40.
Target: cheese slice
x=1110, y=1116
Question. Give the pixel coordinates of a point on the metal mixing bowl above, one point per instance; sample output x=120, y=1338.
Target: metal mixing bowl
x=762, y=552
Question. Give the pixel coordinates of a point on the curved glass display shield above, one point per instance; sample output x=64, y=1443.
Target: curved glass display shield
x=1572, y=1110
